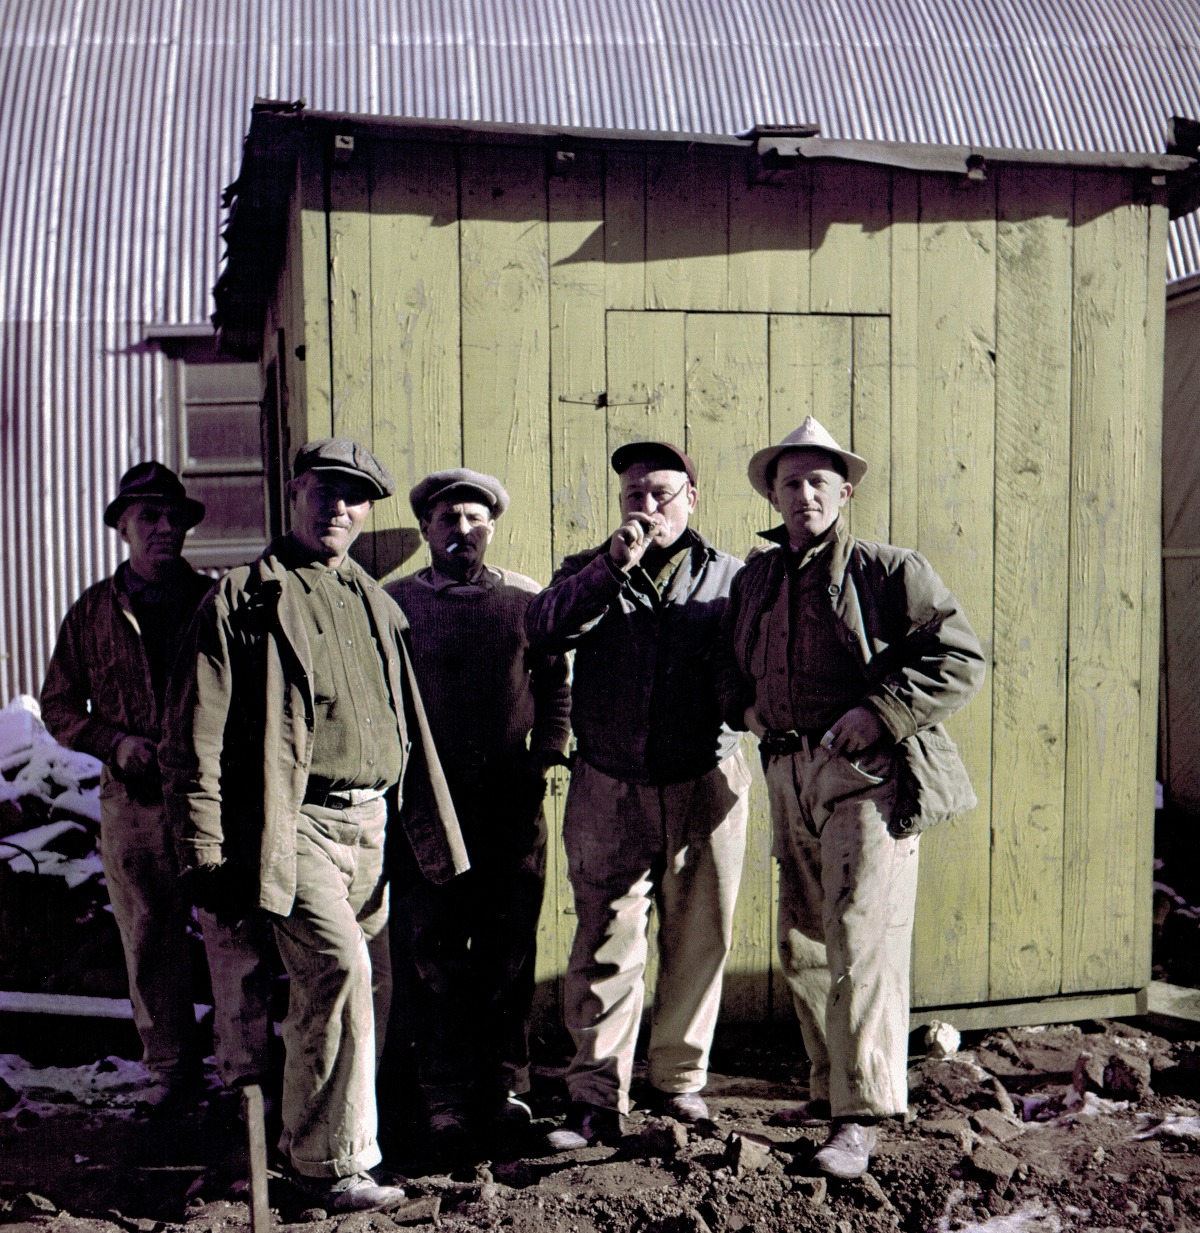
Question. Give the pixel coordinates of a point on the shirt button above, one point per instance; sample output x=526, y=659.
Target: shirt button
x=349, y=641
x=341, y=603
x=368, y=720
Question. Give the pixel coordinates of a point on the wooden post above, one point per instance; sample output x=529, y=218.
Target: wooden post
x=256, y=1152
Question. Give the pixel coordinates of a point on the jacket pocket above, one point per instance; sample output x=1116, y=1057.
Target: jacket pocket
x=934, y=785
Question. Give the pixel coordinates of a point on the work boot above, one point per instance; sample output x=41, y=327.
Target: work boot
x=847, y=1150
x=359, y=1192
x=449, y=1129
x=585, y=1125
x=686, y=1107
x=508, y=1113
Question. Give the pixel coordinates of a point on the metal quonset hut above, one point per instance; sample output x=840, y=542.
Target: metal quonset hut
x=984, y=325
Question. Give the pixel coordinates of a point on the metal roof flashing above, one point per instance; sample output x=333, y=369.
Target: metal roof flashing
x=258, y=200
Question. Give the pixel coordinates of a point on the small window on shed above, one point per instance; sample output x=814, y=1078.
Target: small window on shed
x=214, y=437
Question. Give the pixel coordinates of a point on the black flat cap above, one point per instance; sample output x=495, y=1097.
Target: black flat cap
x=346, y=457
x=151, y=481
x=472, y=485
x=656, y=454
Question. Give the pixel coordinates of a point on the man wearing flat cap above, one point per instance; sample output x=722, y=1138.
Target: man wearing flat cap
x=656, y=811
x=292, y=710
x=845, y=657
x=499, y=714
x=103, y=694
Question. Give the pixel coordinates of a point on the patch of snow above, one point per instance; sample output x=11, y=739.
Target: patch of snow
x=1033, y=1217
x=1172, y=1128
x=110, y=1081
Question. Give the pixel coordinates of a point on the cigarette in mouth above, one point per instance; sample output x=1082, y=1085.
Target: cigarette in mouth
x=451, y=548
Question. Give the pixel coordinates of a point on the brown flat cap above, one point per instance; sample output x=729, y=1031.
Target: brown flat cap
x=347, y=458
x=151, y=481
x=654, y=453
x=811, y=435
x=473, y=485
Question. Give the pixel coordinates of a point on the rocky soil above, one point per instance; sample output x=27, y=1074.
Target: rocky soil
x=1093, y=1126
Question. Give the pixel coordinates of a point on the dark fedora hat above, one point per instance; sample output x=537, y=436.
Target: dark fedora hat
x=151, y=481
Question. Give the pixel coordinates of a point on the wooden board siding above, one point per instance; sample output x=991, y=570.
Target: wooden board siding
x=953, y=493
x=1033, y=403
x=979, y=342
x=1105, y=599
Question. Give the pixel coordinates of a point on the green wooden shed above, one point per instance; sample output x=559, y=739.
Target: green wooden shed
x=984, y=325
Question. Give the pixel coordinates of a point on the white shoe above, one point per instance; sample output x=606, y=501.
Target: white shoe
x=847, y=1151
x=359, y=1192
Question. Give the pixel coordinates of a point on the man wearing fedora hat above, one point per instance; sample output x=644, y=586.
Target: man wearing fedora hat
x=103, y=694
x=499, y=714
x=292, y=711
x=844, y=657
x=656, y=811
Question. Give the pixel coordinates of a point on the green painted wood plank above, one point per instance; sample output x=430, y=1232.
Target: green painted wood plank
x=505, y=342
x=769, y=243
x=415, y=329
x=727, y=419
x=687, y=229
x=811, y=362
x=625, y=230
x=1152, y=589
x=954, y=494
x=871, y=434
x=905, y=376
x=350, y=296
x=851, y=238
x=313, y=398
x=1105, y=572
x=645, y=358
x=1033, y=447
x=578, y=378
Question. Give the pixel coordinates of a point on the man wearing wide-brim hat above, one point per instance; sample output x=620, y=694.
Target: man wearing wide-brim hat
x=499, y=714
x=103, y=694
x=293, y=710
x=844, y=658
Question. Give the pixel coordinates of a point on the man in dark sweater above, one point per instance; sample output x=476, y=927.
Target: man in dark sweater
x=103, y=694
x=499, y=715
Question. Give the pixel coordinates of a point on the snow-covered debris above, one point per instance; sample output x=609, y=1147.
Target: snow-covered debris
x=34, y=765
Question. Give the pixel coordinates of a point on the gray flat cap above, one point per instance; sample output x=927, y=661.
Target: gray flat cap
x=472, y=485
x=347, y=458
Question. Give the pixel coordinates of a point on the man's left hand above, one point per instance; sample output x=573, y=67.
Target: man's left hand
x=855, y=730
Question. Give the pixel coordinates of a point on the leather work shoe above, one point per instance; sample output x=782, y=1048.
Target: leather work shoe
x=359, y=1192
x=847, y=1150
x=585, y=1125
x=449, y=1129
x=510, y=1113
x=808, y=1113
x=683, y=1106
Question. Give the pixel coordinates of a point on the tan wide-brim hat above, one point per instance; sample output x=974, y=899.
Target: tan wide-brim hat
x=811, y=435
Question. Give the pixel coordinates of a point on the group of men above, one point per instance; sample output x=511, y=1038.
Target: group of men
x=296, y=744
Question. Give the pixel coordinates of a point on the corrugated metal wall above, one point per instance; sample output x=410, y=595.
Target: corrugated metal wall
x=122, y=120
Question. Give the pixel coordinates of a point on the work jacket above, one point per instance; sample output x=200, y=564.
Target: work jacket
x=644, y=704
x=239, y=729
x=98, y=687
x=920, y=657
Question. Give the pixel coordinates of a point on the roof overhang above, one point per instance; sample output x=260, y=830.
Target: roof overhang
x=255, y=232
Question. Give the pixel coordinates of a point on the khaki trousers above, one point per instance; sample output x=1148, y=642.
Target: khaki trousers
x=681, y=847
x=334, y=946
x=847, y=892
x=142, y=876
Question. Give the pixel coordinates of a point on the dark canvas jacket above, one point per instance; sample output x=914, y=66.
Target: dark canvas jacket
x=239, y=727
x=98, y=687
x=921, y=659
x=644, y=704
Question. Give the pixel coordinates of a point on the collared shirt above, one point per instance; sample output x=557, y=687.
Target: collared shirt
x=485, y=578
x=356, y=739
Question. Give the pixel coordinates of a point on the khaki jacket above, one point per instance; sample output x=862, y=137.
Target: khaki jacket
x=921, y=659
x=239, y=729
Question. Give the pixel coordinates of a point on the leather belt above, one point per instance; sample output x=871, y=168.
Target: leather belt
x=344, y=798
x=777, y=744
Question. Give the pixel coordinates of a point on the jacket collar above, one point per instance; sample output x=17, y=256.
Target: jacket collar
x=840, y=549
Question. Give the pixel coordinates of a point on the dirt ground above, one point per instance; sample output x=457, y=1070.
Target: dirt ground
x=1092, y=1126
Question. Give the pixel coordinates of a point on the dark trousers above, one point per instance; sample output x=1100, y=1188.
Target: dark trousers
x=469, y=948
